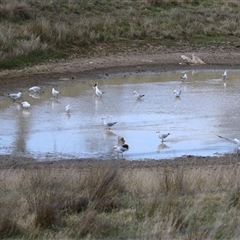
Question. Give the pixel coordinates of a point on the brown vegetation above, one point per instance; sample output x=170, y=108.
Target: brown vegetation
x=120, y=200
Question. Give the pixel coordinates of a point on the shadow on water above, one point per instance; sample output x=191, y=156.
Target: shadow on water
x=208, y=106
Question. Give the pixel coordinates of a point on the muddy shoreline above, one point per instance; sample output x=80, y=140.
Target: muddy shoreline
x=100, y=67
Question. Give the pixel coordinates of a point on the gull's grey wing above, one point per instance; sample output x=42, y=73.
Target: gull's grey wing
x=230, y=140
x=110, y=124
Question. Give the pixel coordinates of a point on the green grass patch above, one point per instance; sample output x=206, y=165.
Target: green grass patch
x=31, y=59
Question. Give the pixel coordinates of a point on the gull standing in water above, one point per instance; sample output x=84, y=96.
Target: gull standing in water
x=137, y=95
x=25, y=104
x=177, y=93
x=235, y=141
x=15, y=96
x=68, y=109
x=184, y=77
x=121, y=141
x=108, y=124
x=94, y=86
x=162, y=136
x=55, y=93
x=34, y=89
x=224, y=76
x=121, y=149
x=98, y=92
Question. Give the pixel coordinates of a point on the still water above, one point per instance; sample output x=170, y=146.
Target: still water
x=208, y=107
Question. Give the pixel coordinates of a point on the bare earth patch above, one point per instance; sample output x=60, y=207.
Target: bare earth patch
x=156, y=59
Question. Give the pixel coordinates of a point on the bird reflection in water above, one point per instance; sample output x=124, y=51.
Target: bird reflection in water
x=161, y=147
x=108, y=134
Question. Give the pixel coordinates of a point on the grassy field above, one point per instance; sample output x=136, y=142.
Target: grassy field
x=33, y=31
x=109, y=201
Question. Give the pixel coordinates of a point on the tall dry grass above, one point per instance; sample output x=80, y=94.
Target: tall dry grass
x=108, y=201
x=41, y=28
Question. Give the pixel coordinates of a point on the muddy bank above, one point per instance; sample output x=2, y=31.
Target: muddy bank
x=13, y=162
x=96, y=67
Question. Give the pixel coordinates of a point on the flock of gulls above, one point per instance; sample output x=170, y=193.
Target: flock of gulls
x=121, y=146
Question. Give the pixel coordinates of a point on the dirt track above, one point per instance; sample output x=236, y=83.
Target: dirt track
x=152, y=59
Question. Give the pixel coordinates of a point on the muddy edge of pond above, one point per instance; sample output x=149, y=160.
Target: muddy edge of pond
x=17, y=162
x=100, y=67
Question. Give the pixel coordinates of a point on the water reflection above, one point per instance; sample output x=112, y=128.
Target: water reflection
x=209, y=106
x=34, y=95
x=107, y=134
x=23, y=127
x=162, y=146
x=68, y=116
x=55, y=103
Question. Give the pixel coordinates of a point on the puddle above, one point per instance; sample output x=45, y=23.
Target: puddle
x=208, y=107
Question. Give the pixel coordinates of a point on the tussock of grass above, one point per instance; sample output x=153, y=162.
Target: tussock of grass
x=66, y=26
x=15, y=11
x=8, y=223
x=107, y=201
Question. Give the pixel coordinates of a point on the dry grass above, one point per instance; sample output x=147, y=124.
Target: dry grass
x=39, y=28
x=107, y=201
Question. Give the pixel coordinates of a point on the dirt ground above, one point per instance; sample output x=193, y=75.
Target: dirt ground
x=156, y=59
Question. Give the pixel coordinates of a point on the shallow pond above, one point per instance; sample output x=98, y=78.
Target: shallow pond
x=208, y=107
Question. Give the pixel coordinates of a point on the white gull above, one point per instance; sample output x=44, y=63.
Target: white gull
x=184, y=77
x=162, y=136
x=177, y=93
x=55, y=93
x=121, y=149
x=15, y=96
x=137, y=95
x=224, y=76
x=108, y=124
x=68, y=108
x=25, y=104
x=98, y=92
